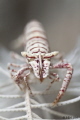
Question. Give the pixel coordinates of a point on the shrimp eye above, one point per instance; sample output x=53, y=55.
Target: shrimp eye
x=42, y=61
x=37, y=61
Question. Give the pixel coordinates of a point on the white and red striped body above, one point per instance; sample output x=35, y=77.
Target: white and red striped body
x=36, y=40
x=36, y=44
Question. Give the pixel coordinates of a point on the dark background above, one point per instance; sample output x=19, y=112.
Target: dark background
x=61, y=19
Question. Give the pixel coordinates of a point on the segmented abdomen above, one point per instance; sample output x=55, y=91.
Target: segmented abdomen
x=35, y=38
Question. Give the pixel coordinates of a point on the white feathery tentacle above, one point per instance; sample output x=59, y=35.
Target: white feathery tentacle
x=28, y=105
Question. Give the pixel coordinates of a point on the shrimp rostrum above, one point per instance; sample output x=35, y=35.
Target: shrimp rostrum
x=39, y=59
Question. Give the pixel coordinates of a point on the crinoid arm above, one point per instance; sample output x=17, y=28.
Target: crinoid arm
x=17, y=56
